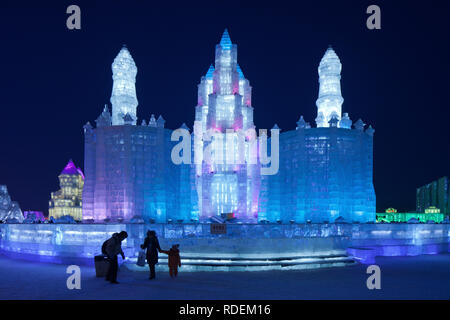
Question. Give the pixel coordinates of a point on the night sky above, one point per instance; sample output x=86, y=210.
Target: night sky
x=53, y=80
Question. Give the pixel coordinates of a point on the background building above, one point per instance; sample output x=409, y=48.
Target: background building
x=430, y=214
x=67, y=200
x=436, y=194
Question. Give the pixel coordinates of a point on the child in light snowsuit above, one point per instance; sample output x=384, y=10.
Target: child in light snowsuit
x=174, y=259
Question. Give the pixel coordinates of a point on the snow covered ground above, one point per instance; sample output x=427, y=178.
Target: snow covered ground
x=422, y=277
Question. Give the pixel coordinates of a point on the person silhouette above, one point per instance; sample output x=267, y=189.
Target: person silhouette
x=151, y=243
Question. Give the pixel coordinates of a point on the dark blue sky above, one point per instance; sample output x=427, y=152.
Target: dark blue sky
x=53, y=80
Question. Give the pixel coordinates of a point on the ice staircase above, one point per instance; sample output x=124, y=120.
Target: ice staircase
x=194, y=263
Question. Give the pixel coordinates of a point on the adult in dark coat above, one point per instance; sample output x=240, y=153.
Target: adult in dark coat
x=151, y=243
x=112, y=249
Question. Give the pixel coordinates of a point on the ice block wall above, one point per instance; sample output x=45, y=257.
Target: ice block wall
x=79, y=243
x=325, y=173
x=129, y=174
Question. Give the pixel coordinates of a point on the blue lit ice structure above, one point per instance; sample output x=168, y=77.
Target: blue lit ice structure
x=325, y=173
x=249, y=247
x=329, y=103
x=129, y=172
x=59, y=243
x=123, y=98
x=224, y=103
x=399, y=240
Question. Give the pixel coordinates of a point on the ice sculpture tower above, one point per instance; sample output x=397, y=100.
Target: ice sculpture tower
x=326, y=173
x=129, y=173
x=329, y=103
x=224, y=108
x=123, y=97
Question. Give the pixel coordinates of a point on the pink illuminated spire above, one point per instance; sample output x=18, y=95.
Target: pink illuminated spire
x=71, y=169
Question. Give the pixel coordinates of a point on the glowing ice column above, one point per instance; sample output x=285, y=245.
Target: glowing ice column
x=224, y=107
x=330, y=99
x=224, y=113
x=123, y=97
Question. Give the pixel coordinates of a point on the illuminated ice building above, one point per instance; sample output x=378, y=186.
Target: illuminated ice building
x=324, y=173
x=68, y=200
x=129, y=173
x=224, y=108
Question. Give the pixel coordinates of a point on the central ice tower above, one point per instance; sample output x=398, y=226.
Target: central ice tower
x=225, y=185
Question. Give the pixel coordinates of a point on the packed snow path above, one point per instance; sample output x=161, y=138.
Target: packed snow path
x=422, y=277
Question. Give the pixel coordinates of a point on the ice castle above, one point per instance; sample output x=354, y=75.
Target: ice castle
x=324, y=173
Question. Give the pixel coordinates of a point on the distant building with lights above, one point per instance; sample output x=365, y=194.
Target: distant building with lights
x=391, y=215
x=68, y=200
x=435, y=194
